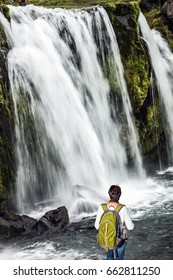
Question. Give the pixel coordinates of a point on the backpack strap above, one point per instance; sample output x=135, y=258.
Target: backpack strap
x=104, y=206
x=119, y=207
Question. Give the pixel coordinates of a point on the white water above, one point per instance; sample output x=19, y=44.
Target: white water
x=64, y=130
x=162, y=63
x=155, y=121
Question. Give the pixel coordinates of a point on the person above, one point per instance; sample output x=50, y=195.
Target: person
x=125, y=222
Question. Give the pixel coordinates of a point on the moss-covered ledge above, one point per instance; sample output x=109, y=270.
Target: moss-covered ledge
x=67, y=3
x=154, y=13
x=124, y=18
x=5, y=11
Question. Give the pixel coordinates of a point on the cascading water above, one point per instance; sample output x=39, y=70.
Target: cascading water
x=162, y=63
x=152, y=83
x=65, y=132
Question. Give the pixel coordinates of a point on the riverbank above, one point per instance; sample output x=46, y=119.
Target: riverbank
x=150, y=240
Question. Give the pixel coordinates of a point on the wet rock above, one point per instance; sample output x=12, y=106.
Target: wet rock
x=43, y=225
x=167, y=11
x=84, y=224
x=4, y=228
x=53, y=220
x=3, y=197
x=22, y=2
x=24, y=222
x=150, y=4
x=17, y=226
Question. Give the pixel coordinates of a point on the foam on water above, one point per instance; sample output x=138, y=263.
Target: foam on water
x=40, y=251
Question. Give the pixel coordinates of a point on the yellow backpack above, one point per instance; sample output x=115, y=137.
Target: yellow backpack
x=109, y=227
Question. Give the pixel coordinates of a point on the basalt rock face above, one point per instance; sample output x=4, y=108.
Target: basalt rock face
x=167, y=11
x=159, y=17
x=150, y=4
x=23, y=225
x=7, y=156
x=17, y=226
x=53, y=220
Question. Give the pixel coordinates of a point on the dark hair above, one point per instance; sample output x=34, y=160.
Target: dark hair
x=114, y=193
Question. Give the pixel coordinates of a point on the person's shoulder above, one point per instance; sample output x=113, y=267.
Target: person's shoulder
x=124, y=208
x=100, y=207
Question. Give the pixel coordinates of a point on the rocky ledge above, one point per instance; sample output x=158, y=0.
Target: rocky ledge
x=19, y=225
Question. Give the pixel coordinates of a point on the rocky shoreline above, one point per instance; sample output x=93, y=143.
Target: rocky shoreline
x=19, y=225
x=150, y=240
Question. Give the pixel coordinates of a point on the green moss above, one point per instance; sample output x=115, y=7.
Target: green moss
x=124, y=19
x=152, y=128
x=74, y=3
x=5, y=10
x=7, y=157
x=156, y=20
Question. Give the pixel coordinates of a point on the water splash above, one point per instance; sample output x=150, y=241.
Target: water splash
x=65, y=133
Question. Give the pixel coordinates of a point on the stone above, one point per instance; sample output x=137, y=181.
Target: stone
x=25, y=222
x=4, y=228
x=53, y=220
x=167, y=11
x=149, y=4
x=43, y=225
x=84, y=224
x=16, y=226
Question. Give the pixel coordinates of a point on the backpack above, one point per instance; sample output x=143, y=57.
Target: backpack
x=109, y=227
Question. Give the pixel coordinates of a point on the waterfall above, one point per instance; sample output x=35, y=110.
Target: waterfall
x=162, y=63
x=152, y=87
x=68, y=133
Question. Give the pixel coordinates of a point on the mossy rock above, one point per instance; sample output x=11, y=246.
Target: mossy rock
x=5, y=11
x=124, y=19
x=7, y=154
x=156, y=20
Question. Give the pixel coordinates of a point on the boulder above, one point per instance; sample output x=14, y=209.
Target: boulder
x=53, y=220
x=22, y=224
x=147, y=5
x=17, y=226
x=167, y=11
x=84, y=224
x=4, y=228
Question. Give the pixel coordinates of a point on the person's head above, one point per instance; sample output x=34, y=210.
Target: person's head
x=114, y=193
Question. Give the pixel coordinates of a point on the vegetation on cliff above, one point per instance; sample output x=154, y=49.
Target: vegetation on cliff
x=156, y=19
x=7, y=157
